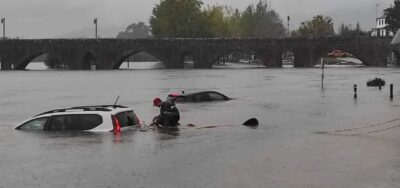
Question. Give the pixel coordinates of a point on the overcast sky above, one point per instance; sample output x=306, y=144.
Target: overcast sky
x=51, y=18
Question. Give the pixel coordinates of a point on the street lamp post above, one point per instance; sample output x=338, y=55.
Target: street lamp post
x=95, y=23
x=3, y=21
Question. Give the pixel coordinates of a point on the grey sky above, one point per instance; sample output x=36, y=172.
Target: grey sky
x=50, y=18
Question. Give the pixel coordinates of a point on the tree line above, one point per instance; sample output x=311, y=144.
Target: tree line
x=192, y=19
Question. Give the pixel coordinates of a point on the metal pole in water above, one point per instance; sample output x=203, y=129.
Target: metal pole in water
x=355, y=91
x=391, y=91
x=323, y=73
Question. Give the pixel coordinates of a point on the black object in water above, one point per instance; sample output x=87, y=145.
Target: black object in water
x=376, y=82
x=251, y=122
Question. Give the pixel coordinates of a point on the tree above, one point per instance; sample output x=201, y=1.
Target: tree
x=233, y=20
x=179, y=18
x=185, y=18
x=135, y=31
x=217, y=21
x=392, y=15
x=348, y=31
x=260, y=21
x=319, y=26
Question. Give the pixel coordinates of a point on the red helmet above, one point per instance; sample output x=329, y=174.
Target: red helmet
x=156, y=101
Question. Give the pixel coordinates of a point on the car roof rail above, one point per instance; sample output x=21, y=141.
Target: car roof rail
x=51, y=111
x=90, y=108
x=101, y=106
x=104, y=108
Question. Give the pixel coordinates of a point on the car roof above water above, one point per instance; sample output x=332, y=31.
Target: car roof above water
x=193, y=93
x=201, y=96
x=81, y=109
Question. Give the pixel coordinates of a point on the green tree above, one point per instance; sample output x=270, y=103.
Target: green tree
x=179, y=18
x=319, y=26
x=218, y=23
x=260, y=21
x=392, y=15
x=135, y=31
x=233, y=20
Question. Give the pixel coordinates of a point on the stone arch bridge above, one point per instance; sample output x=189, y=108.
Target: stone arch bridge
x=110, y=53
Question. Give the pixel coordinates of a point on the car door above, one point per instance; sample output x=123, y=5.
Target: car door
x=201, y=97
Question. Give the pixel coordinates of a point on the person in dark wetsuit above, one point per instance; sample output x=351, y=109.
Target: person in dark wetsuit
x=169, y=114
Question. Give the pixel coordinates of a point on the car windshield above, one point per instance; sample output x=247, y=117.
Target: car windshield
x=216, y=96
x=35, y=124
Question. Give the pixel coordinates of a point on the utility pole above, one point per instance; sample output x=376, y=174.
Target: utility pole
x=288, y=29
x=95, y=23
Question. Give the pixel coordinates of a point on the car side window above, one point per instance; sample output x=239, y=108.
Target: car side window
x=75, y=122
x=35, y=124
x=90, y=121
x=215, y=96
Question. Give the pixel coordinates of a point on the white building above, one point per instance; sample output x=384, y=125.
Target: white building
x=381, y=28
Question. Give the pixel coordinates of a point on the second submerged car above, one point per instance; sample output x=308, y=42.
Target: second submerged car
x=203, y=96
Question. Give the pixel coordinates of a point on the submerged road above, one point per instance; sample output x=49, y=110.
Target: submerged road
x=283, y=152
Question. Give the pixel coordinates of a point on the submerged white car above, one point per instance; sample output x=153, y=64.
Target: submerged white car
x=83, y=118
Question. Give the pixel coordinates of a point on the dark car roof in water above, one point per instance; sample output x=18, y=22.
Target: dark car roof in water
x=201, y=96
x=192, y=93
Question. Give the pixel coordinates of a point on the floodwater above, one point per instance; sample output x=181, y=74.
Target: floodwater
x=283, y=152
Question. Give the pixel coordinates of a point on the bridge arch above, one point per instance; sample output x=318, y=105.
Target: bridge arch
x=125, y=57
x=288, y=58
x=237, y=55
x=393, y=59
x=397, y=56
x=187, y=59
x=340, y=56
x=26, y=60
x=88, y=60
x=2, y=61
